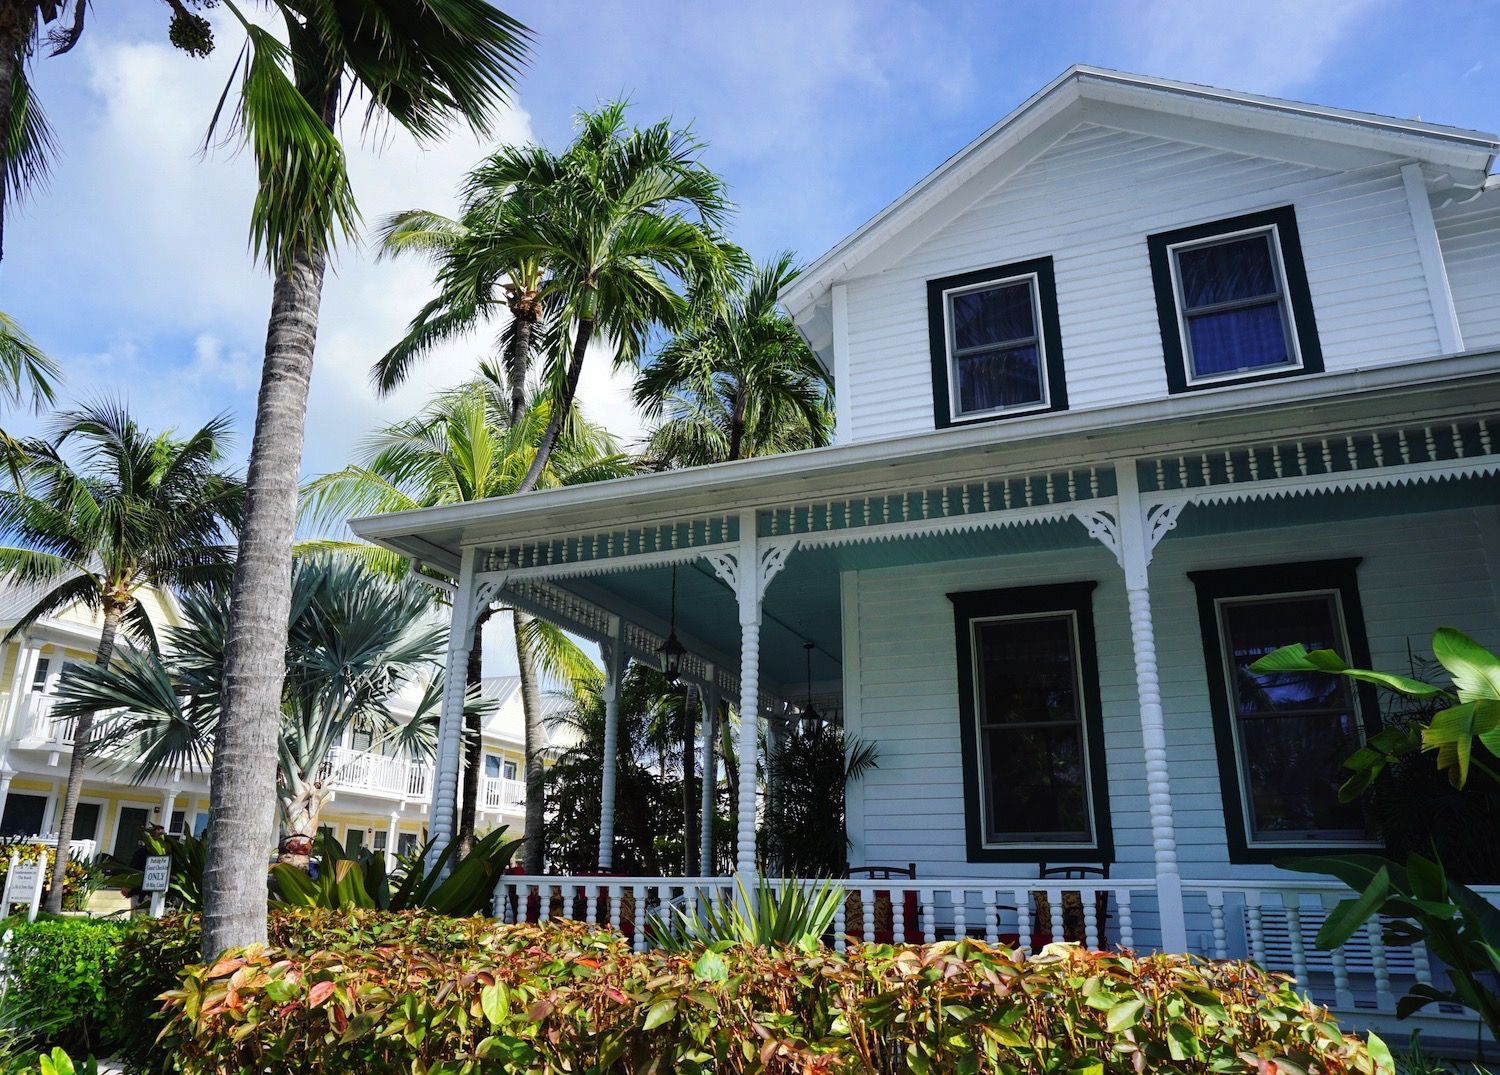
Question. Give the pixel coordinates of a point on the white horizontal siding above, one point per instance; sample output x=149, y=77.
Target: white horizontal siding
x=1089, y=202
x=910, y=808
x=1470, y=238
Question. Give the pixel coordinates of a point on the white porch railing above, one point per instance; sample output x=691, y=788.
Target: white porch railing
x=375, y=774
x=498, y=793
x=83, y=850
x=1273, y=923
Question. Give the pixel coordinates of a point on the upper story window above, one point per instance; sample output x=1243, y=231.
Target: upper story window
x=1232, y=301
x=1031, y=732
x=1283, y=737
x=996, y=345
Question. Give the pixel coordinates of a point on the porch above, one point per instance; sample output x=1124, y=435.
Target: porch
x=857, y=559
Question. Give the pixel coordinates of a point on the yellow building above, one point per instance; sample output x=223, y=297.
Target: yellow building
x=377, y=801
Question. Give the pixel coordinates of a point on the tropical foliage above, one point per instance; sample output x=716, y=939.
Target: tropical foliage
x=64, y=970
x=802, y=831
x=1416, y=899
x=356, y=641
x=422, y=66
x=104, y=509
x=558, y=998
x=792, y=915
x=737, y=380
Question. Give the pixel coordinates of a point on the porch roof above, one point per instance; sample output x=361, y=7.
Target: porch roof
x=1410, y=392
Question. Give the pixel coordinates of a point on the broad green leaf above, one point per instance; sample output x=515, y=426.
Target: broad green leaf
x=494, y=1001
x=1479, y=913
x=1297, y=658
x=1475, y=670
x=1356, y=871
x=711, y=967
x=1453, y=731
x=1124, y=1015
x=659, y=1013
x=1350, y=915
x=1428, y=881
x=1385, y=1063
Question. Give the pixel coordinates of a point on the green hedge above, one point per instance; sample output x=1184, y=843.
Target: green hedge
x=552, y=999
x=63, y=974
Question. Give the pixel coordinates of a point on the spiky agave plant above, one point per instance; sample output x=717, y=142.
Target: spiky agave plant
x=791, y=915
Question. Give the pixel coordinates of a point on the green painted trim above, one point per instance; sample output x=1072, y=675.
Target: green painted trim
x=1173, y=351
x=1075, y=598
x=1339, y=575
x=937, y=338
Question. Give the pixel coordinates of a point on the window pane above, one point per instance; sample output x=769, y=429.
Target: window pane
x=1026, y=671
x=1224, y=272
x=1253, y=629
x=86, y=821
x=994, y=315
x=1293, y=768
x=1035, y=776
x=1248, y=338
x=23, y=814
x=39, y=677
x=1036, y=785
x=491, y=765
x=510, y=770
x=988, y=380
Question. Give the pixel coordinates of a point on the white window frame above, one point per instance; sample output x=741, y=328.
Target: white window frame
x=955, y=412
x=1283, y=298
x=1037, y=841
x=1308, y=840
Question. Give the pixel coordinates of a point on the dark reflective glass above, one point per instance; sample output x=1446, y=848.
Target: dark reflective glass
x=1227, y=271
x=988, y=380
x=994, y=315
x=1036, y=783
x=1026, y=671
x=1254, y=629
x=1293, y=768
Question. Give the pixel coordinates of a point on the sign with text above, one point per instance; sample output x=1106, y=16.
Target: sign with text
x=157, y=876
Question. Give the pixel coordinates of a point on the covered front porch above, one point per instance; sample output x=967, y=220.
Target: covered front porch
x=871, y=553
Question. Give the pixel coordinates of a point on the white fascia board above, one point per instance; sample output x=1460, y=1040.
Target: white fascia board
x=1152, y=426
x=1458, y=149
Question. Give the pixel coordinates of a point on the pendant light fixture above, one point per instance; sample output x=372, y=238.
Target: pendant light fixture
x=809, y=712
x=672, y=650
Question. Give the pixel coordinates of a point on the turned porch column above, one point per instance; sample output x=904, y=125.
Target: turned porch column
x=710, y=782
x=440, y=814
x=1139, y=533
x=613, y=652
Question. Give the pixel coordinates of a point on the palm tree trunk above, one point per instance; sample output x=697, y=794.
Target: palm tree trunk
x=468, y=806
x=689, y=792
x=562, y=409
x=113, y=609
x=737, y=424
x=518, y=356
x=302, y=807
x=242, y=815
x=533, y=851
x=16, y=22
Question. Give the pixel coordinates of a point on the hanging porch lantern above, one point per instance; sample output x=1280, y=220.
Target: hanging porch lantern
x=672, y=650
x=809, y=711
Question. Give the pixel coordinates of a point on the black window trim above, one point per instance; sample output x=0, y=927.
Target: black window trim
x=1338, y=576
x=1045, y=297
x=1076, y=599
x=1282, y=223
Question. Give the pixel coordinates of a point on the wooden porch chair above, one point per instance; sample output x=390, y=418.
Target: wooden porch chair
x=1072, y=904
x=881, y=919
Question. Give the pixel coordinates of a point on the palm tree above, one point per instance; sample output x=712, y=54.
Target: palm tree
x=465, y=446
x=609, y=224
x=356, y=641
x=422, y=65
x=136, y=511
x=738, y=380
x=26, y=377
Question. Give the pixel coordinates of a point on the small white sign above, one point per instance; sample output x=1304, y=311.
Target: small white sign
x=157, y=876
x=25, y=878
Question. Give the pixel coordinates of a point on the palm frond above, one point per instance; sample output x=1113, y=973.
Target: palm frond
x=26, y=374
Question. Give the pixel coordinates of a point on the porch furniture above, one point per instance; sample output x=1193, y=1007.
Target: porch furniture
x=1073, y=918
x=882, y=919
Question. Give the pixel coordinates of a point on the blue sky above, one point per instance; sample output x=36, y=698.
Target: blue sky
x=131, y=267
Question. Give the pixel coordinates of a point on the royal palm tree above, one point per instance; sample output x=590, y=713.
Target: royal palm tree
x=357, y=640
x=738, y=380
x=464, y=447
x=610, y=225
x=423, y=66
x=135, y=510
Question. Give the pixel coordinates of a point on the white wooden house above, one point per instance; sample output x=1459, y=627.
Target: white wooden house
x=1148, y=379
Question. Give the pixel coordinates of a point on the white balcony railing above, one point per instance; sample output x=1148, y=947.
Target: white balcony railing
x=375, y=774
x=1273, y=923
x=499, y=793
x=34, y=721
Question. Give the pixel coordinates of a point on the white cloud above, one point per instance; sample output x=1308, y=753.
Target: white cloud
x=176, y=309
x=1267, y=46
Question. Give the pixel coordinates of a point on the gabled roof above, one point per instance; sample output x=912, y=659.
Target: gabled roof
x=1456, y=157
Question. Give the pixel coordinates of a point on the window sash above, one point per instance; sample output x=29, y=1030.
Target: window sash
x=1256, y=837
x=1279, y=296
x=955, y=393
x=993, y=833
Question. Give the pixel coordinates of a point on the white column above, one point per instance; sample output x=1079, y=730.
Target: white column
x=1136, y=542
x=451, y=718
x=18, y=682
x=744, y=847
x=168, y=804
x=392, y=833
x=710, y=782
x=614, y=669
